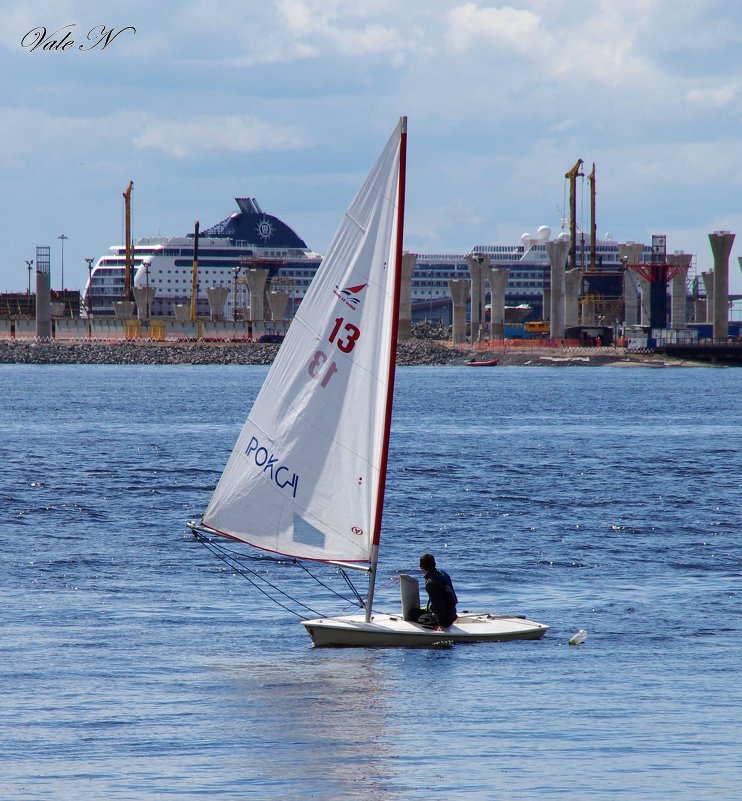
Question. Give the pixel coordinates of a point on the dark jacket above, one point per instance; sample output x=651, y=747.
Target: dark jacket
x=442, y=598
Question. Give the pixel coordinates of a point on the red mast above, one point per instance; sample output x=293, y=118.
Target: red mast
x=392, y=366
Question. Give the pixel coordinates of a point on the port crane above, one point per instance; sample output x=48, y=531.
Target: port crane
x=128, y=249
x=194, y=275
x=572, y=176
x=593, y=227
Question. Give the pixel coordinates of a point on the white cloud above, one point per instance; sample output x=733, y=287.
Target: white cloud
x=469, y=25
x=713, y=97
x=344, y=27
x=503, y=96
x=238, y=133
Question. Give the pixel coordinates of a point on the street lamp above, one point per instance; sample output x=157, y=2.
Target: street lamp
x=88, y=294
x=62, y=237
x=29, y=264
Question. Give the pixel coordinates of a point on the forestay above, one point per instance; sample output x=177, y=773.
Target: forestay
x=303, y=478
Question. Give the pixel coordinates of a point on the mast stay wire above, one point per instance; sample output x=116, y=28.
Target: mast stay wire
x=235, y=562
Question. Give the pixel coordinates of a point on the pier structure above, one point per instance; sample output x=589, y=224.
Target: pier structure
x=546, y=303
x=278, y=300
x=654, y=277
x=630, y=298
x=630, y=253
x=557, y=250
x=124, y=309
x=183, y=312
x=721, y=246
x=497, y=277
x=572, y=287
x=257, y=278
x=459, y=289
x=645, y=300
x=708, y=284
x=678, y=302
x=144, y=297
x=217, y=296
x=477, y=264
x=405, y=296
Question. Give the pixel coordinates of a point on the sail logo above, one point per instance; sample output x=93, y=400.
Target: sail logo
x=350, y=296
x=269, y=464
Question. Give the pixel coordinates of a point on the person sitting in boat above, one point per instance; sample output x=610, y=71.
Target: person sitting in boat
x=442, y=598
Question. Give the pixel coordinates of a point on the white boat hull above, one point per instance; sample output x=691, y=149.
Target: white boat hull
x=391, y=631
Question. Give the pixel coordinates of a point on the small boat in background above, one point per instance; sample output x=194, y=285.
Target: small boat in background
x=483, y=363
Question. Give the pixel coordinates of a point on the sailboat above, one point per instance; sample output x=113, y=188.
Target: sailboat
x=307, y=475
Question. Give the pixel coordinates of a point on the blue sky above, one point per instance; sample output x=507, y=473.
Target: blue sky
x=290, y=101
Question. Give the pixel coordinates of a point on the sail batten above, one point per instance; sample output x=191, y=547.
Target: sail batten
x=303, y=478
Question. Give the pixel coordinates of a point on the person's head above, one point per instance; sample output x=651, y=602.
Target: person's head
x=427, y=562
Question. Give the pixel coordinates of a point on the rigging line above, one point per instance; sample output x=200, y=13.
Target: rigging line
x=327, y=586
x=234, y=564
x=239, y=557
x=361, y=601
x=258, y=577
x=243, y=573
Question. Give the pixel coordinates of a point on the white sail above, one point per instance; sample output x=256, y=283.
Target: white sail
x=303, y=478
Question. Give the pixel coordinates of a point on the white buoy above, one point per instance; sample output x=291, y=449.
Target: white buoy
x=578, y=638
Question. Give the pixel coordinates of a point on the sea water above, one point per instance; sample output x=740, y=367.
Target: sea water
x=135, y=665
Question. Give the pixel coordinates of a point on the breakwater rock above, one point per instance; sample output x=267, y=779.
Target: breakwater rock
x=415, y=351
x=135, y=353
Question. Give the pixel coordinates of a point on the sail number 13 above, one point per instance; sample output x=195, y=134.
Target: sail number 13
x=344, y=335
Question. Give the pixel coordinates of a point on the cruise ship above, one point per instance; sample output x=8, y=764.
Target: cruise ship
x=247, y=238
x=251, y=237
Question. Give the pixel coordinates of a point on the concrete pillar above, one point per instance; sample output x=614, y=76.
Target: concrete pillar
x=43, y=304
x=459, y=289
x=546, y=304
x=183, y=312
x=645, y=289
x=700, y=310
x=573, y=285
x=557, y=252
x=256, y=280
x=124, y=309
x=630, y=298
x=630, y=253
x=721, y=246
x=144, y=297
x=678, y=302
x=708, y=283
x=497, y=278
x=405, y=296
x=279, y=303
x=217, y=296
x=477, y=264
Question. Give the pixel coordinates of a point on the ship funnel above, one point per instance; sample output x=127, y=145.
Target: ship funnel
x=248, y=205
